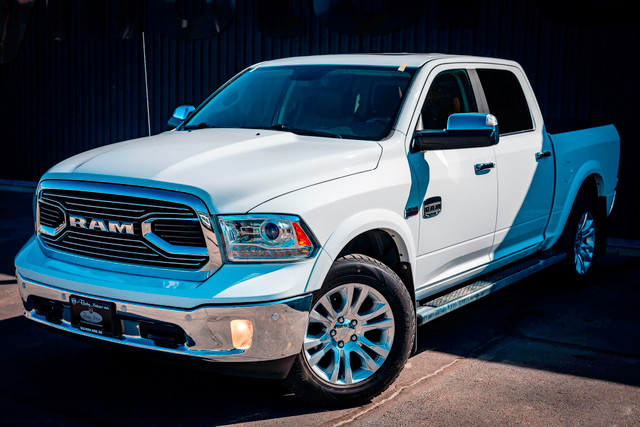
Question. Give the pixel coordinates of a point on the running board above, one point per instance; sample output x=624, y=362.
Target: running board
x=429, y=310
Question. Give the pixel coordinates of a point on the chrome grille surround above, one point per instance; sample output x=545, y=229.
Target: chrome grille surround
x=58, y=201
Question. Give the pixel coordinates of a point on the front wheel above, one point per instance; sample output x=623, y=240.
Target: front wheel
x=359, y=335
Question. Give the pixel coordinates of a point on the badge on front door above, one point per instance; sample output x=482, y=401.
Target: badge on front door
x=432, y=207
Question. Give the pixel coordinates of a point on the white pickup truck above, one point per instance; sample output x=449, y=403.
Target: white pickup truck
x=312, y=212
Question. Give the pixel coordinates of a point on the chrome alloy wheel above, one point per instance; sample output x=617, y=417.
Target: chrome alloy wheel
x=349, y=335
x=584, y=244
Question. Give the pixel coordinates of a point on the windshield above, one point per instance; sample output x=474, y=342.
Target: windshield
x=325, y=100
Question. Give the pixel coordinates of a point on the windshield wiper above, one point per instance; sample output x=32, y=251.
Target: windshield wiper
x=202, y=125
x=298, y=131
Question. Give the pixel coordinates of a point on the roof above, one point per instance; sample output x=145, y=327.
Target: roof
x=383, y=59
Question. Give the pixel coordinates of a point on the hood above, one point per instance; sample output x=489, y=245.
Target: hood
x=237, y=169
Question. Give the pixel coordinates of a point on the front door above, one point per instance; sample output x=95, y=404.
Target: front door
x=458, y=212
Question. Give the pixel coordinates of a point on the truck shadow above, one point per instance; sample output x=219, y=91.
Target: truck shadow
x=591, y=331
x=70, y=381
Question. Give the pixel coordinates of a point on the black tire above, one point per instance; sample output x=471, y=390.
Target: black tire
x=373, y=282
x=582, y=239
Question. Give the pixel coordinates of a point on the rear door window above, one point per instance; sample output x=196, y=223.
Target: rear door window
x=506, y=100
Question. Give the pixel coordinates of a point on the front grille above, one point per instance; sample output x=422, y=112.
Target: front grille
x=114, y=206
x=121, y=248
x=178, y=232
x=177, y=224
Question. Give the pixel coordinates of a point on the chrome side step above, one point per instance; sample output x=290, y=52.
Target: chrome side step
x=433, y=308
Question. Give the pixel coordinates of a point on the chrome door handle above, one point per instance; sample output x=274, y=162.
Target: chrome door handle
x=484, y=166
x=543, y=154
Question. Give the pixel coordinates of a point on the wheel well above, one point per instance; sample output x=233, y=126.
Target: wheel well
x=591, y=186
x=380, y=245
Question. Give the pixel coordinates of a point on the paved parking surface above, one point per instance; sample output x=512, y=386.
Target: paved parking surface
x=536, y=353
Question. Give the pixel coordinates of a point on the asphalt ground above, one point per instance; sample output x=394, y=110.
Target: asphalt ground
x=537, y=353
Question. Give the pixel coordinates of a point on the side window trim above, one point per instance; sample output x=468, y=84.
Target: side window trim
x=481, y=100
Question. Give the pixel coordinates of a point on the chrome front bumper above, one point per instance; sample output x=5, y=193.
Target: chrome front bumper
x=278, y=327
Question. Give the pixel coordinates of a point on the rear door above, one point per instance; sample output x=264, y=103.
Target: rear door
x=524, y=158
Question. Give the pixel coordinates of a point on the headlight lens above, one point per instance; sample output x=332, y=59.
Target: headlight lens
x=265, y=238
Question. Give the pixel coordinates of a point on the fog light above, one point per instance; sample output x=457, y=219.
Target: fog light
x=241, y=333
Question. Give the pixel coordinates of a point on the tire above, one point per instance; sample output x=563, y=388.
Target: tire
x=581, y=239
x=359, y=336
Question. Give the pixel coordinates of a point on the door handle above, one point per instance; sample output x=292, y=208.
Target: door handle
x=543, y=154
x=484, y=166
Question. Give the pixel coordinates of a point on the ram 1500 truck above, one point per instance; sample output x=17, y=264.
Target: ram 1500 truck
x=312, y=212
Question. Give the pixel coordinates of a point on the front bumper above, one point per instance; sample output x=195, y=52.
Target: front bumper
x=278, y=327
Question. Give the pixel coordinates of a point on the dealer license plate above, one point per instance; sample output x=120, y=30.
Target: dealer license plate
x=93, y=316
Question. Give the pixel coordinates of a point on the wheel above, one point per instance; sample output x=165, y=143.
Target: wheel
x=359, y=335
x=581, y=239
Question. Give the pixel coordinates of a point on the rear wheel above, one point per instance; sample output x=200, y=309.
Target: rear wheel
x=582, y=239
x=359, y=335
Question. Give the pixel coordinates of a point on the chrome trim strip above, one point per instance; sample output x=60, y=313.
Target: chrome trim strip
x=278, y=327
x=613, y=202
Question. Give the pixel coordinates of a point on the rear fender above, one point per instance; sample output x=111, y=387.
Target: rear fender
x=590, y=168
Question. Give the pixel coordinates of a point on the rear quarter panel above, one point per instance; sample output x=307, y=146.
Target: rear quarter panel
x=580, y=154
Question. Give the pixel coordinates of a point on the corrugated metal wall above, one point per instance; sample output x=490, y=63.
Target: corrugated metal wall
x=62, y=97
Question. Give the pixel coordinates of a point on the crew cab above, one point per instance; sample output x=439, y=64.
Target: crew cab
x=312, y=212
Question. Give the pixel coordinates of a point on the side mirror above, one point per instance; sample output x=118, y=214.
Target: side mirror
x=464, y=130
x=180, y=114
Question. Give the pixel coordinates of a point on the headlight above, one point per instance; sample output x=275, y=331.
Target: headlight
x=265, y=238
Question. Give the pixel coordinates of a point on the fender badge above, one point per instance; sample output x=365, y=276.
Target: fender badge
x=432, y=207
x=412, y=211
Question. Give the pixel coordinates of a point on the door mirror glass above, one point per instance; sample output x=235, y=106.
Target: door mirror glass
x=180, y=114
x=464, y=130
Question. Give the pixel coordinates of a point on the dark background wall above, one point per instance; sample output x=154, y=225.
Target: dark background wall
x=72, y=73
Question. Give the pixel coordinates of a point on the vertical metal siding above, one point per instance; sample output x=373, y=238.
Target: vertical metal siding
x=61, y=98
